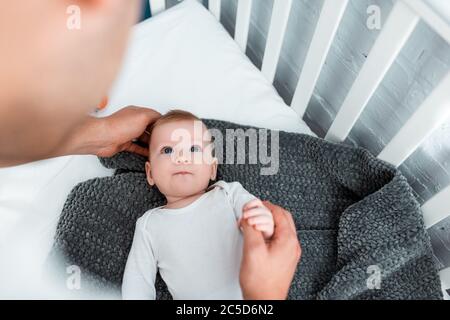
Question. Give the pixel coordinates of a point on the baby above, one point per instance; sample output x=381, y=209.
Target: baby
x=194, y=240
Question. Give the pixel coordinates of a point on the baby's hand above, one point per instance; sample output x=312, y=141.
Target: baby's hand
x=259, y=216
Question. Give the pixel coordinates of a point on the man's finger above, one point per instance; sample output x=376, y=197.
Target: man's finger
x=252, y=238
x=144, y=138
x=269, y=205
x=134, y=148
x=291, y=221
x=274, y=208
x=283, y=230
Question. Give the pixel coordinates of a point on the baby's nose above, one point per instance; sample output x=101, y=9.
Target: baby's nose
x=182, y=157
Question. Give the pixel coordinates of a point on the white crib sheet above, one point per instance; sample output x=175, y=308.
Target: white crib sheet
x=182, y=58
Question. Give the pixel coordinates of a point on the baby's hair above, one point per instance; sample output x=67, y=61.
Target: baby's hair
x=172, y=116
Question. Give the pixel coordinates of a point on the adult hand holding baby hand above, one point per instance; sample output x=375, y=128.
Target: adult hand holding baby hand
x=268, y=268
x=259, y=216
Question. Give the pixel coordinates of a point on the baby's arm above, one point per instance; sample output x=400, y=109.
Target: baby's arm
x=140, y=271
x=260, y=217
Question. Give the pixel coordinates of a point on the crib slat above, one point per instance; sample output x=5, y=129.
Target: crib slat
x=329, y=20
x=428, y=117
x=446, y=295
x=215, y=7
x=437, y=208
x=445, y=278
x=278, y=24
x=431, y=17
x=157, y=6
x=244, y=12
x=399, y=26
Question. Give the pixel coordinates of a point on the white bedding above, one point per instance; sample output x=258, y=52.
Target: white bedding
x=182, y=58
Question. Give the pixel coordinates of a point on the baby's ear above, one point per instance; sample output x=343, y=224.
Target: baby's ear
x=148, y=171
x=214, y=169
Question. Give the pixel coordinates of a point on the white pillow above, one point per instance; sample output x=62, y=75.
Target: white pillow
x=184, y=59
x=31, y=198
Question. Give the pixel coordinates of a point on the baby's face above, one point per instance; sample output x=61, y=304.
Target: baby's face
x=181, y=162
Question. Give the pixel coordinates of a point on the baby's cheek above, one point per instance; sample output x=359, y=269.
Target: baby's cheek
x=160, y=171
x=204, y=173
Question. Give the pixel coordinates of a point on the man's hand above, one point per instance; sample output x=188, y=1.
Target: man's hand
x=124, y=127
x=267, y=269
x=105, y=137
x=95, y=136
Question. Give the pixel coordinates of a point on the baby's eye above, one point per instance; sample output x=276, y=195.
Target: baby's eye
x=166, y=150
x=196, y=148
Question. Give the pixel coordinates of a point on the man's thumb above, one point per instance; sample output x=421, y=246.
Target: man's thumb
x=252, y=237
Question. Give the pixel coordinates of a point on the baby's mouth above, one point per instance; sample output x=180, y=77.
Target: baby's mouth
x=182, y=173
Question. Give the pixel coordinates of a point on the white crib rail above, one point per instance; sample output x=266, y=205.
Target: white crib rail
x=445, y=280
x=280, y=16
x=398, y=28
x=215, y=7
x=243, y=16
x=433, y=19
x=329, y=20
x=437, y=208
x=429, y=117
x=156, y=6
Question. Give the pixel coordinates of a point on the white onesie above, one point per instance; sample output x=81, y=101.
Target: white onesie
x=197, y=249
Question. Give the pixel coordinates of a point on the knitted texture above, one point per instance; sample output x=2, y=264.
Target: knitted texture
x=357, y=218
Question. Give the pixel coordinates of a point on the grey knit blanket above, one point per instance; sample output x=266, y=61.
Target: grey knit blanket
x=358, y=221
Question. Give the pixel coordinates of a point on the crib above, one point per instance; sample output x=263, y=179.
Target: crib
x=397, y=29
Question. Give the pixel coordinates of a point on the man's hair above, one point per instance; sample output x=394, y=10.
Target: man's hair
x=172, y=116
